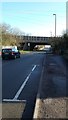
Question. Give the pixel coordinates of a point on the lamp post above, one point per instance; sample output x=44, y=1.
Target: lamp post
x=55, y=24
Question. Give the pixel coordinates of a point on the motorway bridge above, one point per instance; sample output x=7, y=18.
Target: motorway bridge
x=29, y=42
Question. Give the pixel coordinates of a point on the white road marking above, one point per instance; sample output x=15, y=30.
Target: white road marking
x=33, y=68
x=12, y=100
x=23, y=85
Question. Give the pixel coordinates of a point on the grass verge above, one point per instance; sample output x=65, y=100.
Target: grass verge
x=24, y=52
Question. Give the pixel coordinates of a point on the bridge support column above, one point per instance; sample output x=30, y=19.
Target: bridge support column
x=32, y=45
x=26, y=46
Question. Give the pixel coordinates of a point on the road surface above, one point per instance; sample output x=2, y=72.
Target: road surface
x=20, y=79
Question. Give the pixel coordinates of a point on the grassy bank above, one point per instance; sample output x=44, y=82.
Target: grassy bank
x=24, y=52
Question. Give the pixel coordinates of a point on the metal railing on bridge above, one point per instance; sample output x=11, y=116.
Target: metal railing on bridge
x=35, y=39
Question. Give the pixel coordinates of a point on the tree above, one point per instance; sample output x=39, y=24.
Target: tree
x=9, y=35
x=60, y=45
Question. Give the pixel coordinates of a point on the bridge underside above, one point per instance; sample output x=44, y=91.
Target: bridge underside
x=30, y=45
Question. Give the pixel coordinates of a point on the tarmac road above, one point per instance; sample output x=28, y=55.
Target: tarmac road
x=20, y=79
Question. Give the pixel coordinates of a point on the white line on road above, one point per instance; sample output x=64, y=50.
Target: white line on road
x=34, y=67
x=23, y=85
x=12, y=100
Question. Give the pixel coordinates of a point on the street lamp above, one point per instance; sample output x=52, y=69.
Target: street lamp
x=55, y=24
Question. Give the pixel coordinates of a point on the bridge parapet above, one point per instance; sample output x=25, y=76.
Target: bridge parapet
x=38, y=39
x=35, y=39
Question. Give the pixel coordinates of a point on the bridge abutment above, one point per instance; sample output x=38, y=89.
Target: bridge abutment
x=28, y=46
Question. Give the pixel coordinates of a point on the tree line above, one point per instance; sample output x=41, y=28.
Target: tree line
x=60, y=44
x=10, y=36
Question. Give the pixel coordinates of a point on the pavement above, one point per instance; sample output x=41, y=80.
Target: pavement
x=13, y=109
x=52, y=97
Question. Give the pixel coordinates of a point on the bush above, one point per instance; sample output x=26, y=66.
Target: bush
x=60, y=45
